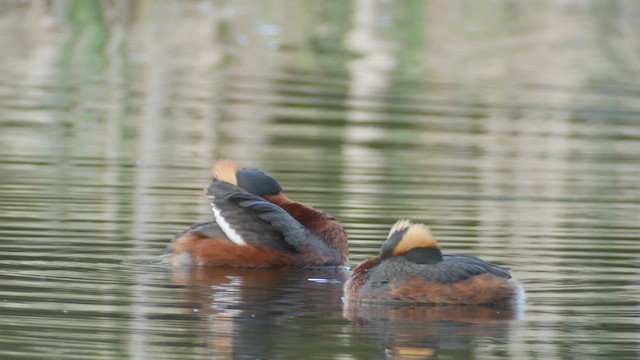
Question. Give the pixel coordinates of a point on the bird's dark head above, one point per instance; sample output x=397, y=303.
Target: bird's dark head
x=257, y=182
x=254, y=181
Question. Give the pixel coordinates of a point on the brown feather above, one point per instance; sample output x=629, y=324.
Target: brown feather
x=359, y=276
x=479, y=289
x=325, y=226
x=195, y=249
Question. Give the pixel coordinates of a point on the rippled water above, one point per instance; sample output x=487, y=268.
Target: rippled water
x=512, y=129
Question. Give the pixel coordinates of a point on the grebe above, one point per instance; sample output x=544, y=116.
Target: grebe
x=256, y=225
x=412, y=269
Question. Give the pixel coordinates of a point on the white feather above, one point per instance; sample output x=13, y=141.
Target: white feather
x=225, y=226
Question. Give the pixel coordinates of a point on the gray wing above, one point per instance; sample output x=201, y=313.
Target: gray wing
x=453, y=268
x=461, y=267
x=257, y=220
x=209, y=229
x=243, y=224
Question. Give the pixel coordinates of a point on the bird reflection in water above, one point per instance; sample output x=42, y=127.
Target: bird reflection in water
x=267, y=313
x=254, y=312
x=420, y=331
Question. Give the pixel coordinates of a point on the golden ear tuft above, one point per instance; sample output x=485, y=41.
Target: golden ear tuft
x=415, y=236
x=225, y=170
x=400, y=225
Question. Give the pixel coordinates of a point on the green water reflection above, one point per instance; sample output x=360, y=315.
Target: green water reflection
x=509, y=127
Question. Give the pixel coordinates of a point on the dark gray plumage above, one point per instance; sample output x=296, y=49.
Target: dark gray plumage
x=245, y=221
x=260, y=222
x=258, y=183
x=453, y=268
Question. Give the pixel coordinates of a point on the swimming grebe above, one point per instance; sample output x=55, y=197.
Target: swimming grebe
x=412, y=269
x=258, y=226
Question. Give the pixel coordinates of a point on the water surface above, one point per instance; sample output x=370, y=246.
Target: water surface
x=510, y=128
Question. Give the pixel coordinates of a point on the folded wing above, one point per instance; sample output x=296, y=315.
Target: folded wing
x=248, y=219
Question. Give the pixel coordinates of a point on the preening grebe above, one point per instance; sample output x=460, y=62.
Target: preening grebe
x=258, y=226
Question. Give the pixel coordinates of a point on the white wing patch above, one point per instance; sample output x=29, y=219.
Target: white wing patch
x=225, y=226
